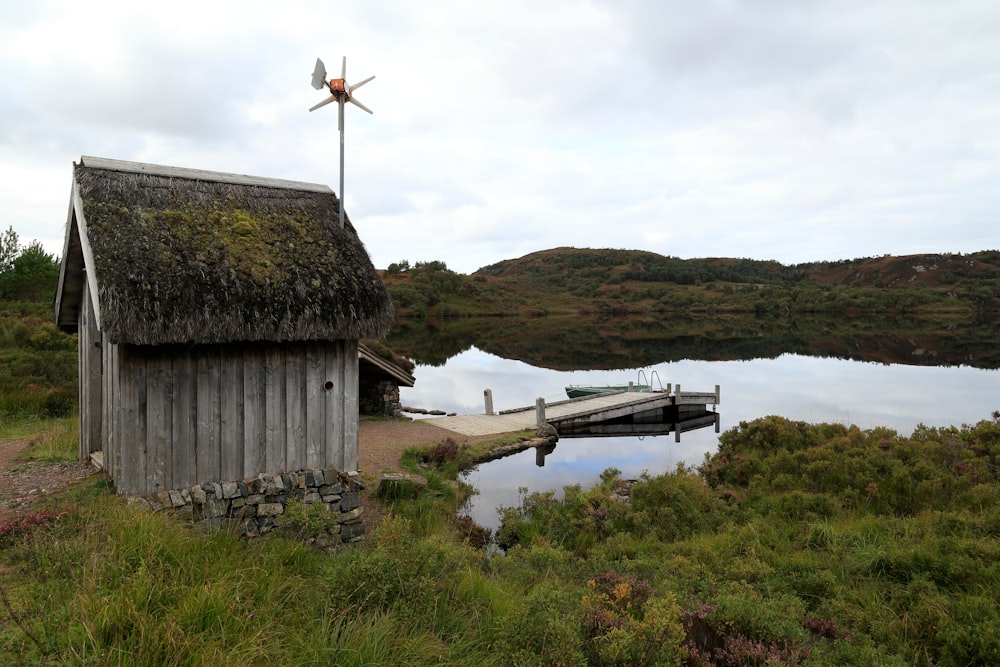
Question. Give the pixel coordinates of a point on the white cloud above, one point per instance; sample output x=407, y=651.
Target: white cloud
x=754, y=128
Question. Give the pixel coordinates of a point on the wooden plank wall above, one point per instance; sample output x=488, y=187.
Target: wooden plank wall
x=109, y=406
x=191, y=415
x=90, y=379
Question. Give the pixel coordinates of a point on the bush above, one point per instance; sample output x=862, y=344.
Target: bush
x=626, y=623
x=542, y=629
x=448, y=454
x=675, y=505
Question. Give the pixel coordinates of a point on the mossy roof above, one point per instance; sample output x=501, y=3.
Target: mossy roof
x=206, y=259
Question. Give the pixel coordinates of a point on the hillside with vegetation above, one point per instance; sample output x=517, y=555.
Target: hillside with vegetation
x=37, y=361
x=610, y=281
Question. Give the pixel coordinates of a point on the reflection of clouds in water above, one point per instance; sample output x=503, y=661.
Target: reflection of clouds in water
x=581, y=461
x=804, y=388
x=458, y=386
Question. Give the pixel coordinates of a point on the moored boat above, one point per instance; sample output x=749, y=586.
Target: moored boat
x=579, y=391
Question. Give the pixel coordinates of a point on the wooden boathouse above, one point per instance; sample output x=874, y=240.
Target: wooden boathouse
x=219, y=319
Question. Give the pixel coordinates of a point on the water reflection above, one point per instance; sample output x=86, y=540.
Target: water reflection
x=573, y=342
x=800, y=387
x=674, y=419
x=639, y=426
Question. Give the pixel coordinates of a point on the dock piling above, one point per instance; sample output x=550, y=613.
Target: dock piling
x=539, y=412
x=488, y=395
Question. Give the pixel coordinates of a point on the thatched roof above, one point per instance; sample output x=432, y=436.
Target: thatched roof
x=185, y=256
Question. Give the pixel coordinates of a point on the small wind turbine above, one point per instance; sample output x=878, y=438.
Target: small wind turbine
x=340, y=92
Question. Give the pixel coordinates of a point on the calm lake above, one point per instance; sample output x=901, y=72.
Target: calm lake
x=899, y=396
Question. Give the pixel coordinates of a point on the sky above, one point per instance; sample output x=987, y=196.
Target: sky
x=765, y=129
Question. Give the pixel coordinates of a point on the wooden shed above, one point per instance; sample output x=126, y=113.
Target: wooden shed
x=218, y=317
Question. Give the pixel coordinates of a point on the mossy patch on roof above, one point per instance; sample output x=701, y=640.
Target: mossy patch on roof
x=185, y=260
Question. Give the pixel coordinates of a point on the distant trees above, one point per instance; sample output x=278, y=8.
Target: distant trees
x=27, y=273
x=398, y=267
x=404, y=265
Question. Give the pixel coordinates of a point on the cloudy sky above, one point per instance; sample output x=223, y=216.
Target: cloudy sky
x=769, y=129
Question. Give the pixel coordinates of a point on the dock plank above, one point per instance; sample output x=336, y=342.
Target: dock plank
x=580, y=409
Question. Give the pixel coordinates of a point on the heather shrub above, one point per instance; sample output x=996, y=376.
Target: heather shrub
x=808, y=471
x=675, y=505
x=626, y=623
x=447, y=455
x=543, y=627
x=578, y=521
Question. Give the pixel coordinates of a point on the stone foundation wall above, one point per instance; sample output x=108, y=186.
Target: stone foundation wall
x=379, y=399
x=258, y=505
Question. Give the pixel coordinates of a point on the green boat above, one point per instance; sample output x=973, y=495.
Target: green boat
x=580, y=391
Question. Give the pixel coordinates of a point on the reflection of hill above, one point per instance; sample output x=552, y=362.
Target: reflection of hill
x=593, y=343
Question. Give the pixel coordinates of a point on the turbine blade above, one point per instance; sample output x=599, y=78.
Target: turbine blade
x=360, y=105
x=343, y=69
x=319, y=75
x=332, y=98
x=359, y=84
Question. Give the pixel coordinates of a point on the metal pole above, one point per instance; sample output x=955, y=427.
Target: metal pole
x=341, y=166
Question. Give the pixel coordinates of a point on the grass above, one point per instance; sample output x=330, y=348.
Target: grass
x=53, y=439
x=696, y=570
x=117, y=585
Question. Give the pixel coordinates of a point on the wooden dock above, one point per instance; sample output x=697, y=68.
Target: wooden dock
x=573, y=413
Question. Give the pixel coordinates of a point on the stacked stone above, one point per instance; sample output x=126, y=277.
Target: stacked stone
x=257, y=505
x=380, y=399
x=390, y=399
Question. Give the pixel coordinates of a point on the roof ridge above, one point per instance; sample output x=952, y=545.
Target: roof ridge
x=199, y=174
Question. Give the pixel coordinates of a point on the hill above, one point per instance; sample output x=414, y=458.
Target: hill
x=588, y=281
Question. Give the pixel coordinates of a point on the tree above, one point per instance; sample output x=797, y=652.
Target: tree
x=26, y=274
x=398, y=267
x=9, y=247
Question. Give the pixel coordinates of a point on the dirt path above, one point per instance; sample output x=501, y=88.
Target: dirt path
x=381, y=443
x=25, y=484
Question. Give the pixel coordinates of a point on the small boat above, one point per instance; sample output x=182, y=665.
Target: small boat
x=579, y=391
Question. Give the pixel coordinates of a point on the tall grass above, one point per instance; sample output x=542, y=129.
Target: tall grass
x=119, y=585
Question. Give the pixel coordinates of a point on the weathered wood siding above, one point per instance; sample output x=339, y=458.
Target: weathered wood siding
x=188, y=415
x=89, y=369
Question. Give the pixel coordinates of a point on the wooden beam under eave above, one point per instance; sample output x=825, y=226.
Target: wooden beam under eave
x=90, y=268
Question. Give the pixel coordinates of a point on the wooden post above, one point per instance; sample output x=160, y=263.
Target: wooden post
x=539, y=411
x=630, y=385
x=718, y=398
x=541, y=451
x=488, y=395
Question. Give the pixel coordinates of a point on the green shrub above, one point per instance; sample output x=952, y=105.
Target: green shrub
x=676, y=505
x=626, y=623
x=312, y=519
x=543, y=627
